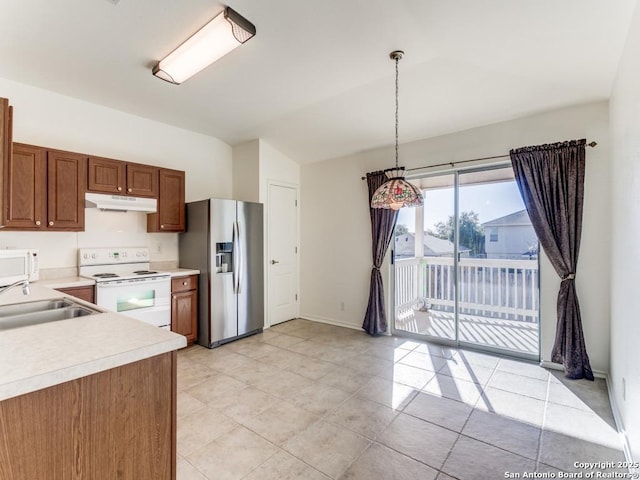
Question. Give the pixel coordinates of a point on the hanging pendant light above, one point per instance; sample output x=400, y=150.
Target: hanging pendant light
x=396, y=192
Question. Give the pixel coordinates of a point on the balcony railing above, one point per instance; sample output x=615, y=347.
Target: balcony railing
x=493, y=291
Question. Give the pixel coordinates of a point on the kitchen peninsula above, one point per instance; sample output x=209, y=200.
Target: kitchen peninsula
x=91, y=397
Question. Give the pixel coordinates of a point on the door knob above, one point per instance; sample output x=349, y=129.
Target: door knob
x=273, y=262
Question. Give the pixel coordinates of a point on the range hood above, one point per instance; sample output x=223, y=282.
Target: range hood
x=120, y=203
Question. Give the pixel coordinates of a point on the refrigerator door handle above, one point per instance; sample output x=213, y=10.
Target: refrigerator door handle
x=239, y=265
x=234, y=258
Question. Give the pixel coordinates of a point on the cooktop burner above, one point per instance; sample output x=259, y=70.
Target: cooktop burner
x=144, y=272
x=106, y=275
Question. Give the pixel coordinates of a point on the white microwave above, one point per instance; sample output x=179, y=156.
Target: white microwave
x=16, y=265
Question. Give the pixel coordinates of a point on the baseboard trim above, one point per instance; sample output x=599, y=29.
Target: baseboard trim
x=330, y=321
x=556, y=366
x=626, y=446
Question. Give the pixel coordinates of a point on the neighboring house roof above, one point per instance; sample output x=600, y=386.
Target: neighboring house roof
x=513, y=219
x=439, y=246
x=434, y=245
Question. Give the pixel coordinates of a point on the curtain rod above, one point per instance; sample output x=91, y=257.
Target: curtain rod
x=590, y=144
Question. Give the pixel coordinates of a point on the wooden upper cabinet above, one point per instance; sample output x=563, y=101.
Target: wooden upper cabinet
x=142, y=180
x=25, y=187
x=66, y=184
x=106, y=175
x=171, y=215
x=6, y=118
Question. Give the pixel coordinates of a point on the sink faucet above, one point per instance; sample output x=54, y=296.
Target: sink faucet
x=24, y=283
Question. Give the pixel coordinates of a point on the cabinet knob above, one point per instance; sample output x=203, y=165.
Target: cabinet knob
x=119, y=189
x=38, y=222
x=129, y=190
x=185, y=283
x=174, y=297
x=51, y=223
x=161, y=226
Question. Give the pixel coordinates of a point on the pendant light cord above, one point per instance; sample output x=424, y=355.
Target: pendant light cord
x=397, y=88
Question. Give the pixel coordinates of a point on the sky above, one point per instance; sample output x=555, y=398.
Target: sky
x=489, y=201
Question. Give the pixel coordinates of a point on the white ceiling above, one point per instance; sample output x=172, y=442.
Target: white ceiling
x=316, y=81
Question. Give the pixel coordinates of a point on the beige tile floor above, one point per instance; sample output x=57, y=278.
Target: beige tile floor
x=305, y=400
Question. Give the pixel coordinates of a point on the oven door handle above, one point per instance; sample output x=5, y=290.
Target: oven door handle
x=123, y=283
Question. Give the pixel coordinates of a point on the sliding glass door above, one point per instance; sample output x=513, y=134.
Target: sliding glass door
x=466, y=264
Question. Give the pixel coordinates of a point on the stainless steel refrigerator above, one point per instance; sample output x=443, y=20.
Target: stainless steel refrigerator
x=224, y=240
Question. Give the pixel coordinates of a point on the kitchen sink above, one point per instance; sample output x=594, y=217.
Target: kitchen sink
x=43, y=311
x=31, y=307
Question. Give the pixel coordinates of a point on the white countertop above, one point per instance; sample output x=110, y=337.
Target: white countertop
x=66, y=282
x=182, y=272
x=39, y=356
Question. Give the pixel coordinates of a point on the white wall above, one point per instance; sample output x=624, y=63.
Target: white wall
x=246, y=171
x=336, y=238
x=45, y=118
x=625, y=301
x=276, y=167
x=255, y=165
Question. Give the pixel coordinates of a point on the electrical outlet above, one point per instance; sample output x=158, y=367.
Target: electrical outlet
x=624, y=389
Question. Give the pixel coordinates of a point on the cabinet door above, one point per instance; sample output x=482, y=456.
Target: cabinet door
x=25, y=188
x=170, y=216
x=142, y=180
x=184, y=314
x=66, y=181
x=6, y=112
x=118, y=423
x=106, y=175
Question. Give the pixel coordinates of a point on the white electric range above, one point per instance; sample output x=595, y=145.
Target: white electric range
x=126, y=285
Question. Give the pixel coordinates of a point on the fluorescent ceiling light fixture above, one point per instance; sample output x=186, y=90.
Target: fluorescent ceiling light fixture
x=217, y=38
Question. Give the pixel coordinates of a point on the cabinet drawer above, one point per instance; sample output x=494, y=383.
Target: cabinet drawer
x=182, y=284
x=85, y=293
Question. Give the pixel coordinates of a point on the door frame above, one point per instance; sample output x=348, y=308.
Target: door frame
x=456, y=343
x=267, y=222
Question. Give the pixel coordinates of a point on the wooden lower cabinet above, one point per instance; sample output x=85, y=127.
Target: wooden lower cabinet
x=116, y=424
x=184, y=307
x=84, y=293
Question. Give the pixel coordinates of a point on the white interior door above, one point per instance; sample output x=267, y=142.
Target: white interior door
x=282, y=259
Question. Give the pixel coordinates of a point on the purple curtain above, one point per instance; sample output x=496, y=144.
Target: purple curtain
x=551, y=182
x=383, y=221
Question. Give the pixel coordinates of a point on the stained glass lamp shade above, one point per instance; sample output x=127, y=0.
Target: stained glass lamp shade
x=396, y=192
